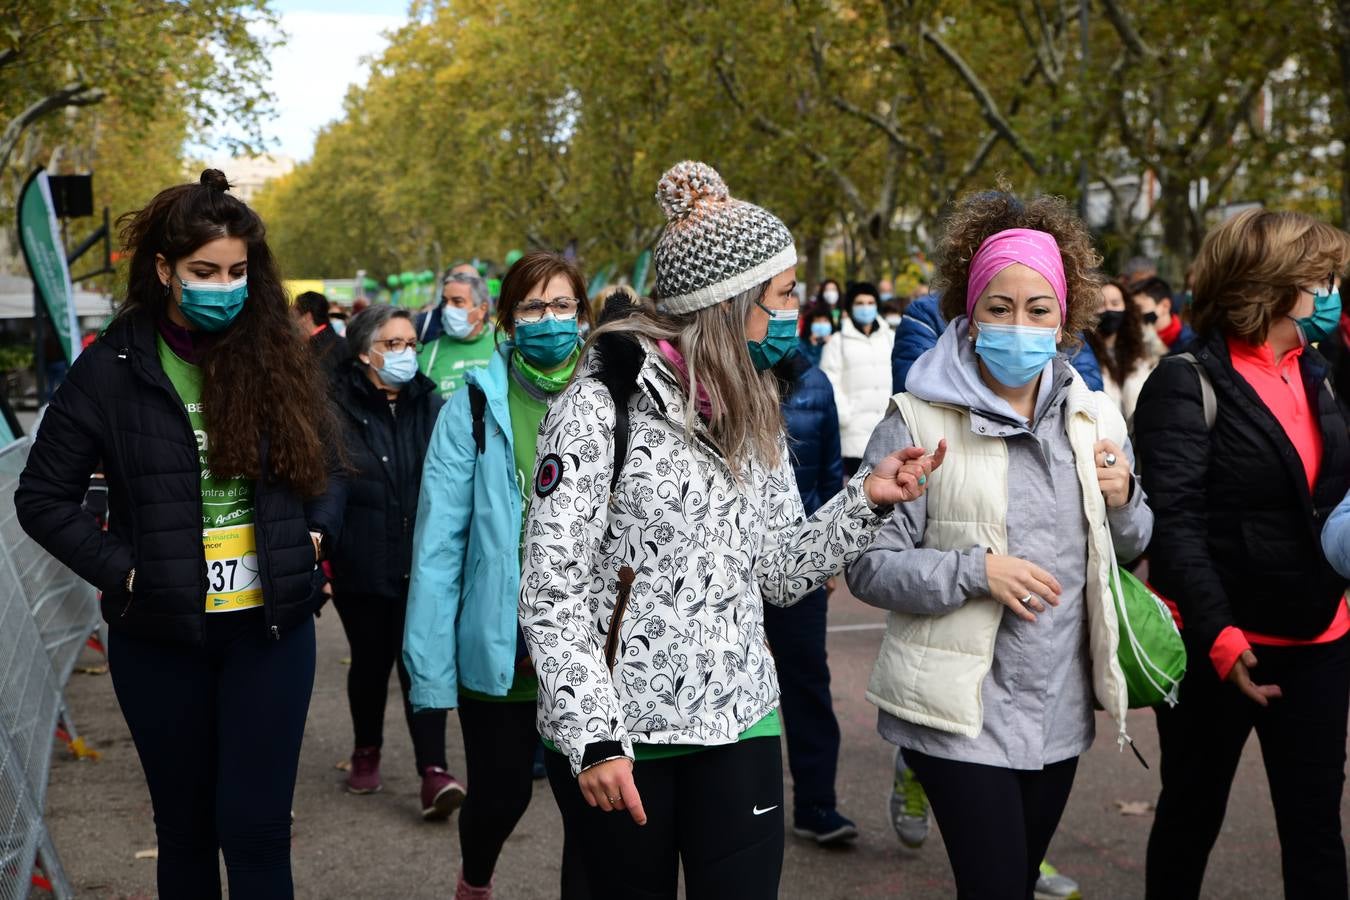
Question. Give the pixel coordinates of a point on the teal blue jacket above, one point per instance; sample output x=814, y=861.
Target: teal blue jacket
x=461, y=623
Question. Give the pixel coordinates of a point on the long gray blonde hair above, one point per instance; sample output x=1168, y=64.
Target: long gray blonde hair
x=746, y=422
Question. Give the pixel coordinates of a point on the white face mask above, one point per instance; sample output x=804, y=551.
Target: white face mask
x=893, y=320
x=830, y=296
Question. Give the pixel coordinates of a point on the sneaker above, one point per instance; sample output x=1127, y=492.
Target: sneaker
x=824, y=826
x=909, y=805
x=1054, y=886
x=466, y=891
x=364, y=775
x=441, y=795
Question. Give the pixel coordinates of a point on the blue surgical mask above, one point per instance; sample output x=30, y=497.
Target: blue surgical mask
x=455, y=321
x=399, y=368
x=1325, y=315
x=210, y=305
x=339, y=326
x=865, y=315
x=779, y=341
x=548, y=342
x=1015, y=354
x=821, y=330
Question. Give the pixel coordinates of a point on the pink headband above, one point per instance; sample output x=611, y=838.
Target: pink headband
x=1037, y=250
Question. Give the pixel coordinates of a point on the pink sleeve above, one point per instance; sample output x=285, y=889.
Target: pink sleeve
x=1228, y=646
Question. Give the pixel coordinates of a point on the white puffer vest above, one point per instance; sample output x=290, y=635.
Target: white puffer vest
x=930, y=668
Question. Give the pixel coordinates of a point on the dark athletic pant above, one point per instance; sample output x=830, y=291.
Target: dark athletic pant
x=797, y=638
x=717, y=812
x=499, y=745
x=218, y=729
x=1302, y=739
x=374, y=627
x=996, y=822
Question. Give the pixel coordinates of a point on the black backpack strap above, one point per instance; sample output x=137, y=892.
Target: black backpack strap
x=619, y=359
x=478, y=408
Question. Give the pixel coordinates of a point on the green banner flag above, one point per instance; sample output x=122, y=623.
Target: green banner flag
x=640, y=272
x=40, y=237
x=600, y=280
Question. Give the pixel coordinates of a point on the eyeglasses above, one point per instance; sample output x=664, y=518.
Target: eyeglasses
x=533, y=310
x=398, y=345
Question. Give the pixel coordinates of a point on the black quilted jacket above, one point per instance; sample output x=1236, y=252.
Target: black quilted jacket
x=118, y=406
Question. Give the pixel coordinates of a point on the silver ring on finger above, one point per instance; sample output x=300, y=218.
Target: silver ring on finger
x=1110, y=459
x=1027, y=599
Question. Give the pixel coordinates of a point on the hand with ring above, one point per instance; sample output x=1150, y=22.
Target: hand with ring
x=1021, y=586
x=610, y=786
x=1113, y=474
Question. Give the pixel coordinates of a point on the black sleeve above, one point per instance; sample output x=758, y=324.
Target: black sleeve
x=66, y=450
x=1172, y=442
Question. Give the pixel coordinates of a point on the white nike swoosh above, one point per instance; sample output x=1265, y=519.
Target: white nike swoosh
x=760, y=812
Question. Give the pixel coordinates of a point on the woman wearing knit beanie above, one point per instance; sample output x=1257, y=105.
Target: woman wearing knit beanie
x=664, y=513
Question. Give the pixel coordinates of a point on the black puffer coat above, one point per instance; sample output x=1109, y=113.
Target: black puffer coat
x=1237, y=534
x=385, y=454
x=117, y=405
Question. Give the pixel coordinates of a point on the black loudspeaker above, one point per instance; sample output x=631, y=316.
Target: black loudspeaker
x=72, y=195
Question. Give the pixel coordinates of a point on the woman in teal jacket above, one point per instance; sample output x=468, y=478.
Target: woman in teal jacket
x=462, y=644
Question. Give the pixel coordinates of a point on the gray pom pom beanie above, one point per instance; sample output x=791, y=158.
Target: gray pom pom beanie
x=713, y=246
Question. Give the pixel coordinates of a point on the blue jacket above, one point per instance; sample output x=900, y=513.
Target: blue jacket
x=429, y=325
x=1336, y=538
x=461, y=622
x=918, y=333
x=813, y=433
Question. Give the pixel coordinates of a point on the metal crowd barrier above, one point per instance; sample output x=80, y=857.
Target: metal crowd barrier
x=46, y=615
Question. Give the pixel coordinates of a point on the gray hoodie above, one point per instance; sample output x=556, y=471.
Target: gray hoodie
x=1038, y=703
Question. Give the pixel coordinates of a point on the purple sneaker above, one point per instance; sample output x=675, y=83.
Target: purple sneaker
x=364, y=777
x=441, y=794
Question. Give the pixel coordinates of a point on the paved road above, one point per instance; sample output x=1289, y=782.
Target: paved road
x=377, y=847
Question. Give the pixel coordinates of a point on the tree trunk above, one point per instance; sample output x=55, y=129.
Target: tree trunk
x=1177, y=225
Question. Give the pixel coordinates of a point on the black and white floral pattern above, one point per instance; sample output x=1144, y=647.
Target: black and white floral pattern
x=707, y=550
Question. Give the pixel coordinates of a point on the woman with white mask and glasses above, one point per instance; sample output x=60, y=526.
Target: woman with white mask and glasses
x=388, y=412
x=663, y=514
x=462, y=644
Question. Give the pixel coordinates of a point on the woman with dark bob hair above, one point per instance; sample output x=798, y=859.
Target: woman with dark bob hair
x=1002, y=632
x=1244, y=452
x=206, y=414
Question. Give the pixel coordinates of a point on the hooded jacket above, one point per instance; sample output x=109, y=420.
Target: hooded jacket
x=858, y=365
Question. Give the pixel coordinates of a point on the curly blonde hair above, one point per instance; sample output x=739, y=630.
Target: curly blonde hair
x=980, y=215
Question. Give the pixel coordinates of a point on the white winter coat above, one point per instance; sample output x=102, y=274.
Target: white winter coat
x=859, y=367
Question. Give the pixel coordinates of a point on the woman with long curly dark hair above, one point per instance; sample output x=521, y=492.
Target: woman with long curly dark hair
x=1120, y=344
x=207, y=415
x=1002, y=632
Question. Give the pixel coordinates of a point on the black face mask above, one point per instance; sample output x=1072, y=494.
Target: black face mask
x=1110, y=322
x=1150, y=318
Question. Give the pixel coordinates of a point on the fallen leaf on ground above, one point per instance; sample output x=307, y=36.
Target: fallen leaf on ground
x=346, y=660
x=343, y=765
x=93, y=670
x=1134, y=807
x=152, y=853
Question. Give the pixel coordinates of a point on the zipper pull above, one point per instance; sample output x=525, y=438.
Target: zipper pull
x=276, y=636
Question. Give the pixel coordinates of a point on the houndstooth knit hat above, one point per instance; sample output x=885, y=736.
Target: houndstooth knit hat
x=713, y=246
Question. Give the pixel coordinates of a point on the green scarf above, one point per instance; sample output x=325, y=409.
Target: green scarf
x=548, y=382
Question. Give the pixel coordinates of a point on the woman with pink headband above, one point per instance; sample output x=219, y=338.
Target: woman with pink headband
x=1002, y=633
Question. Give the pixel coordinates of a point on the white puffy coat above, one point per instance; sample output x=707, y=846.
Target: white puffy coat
x=859, y=367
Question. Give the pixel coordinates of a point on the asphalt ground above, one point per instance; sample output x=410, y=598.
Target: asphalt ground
x=377, y=846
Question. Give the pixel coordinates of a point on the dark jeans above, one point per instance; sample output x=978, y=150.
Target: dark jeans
x=499, y=746
x=374, y=627
x=996, y=823
x=1302, y=739
x=218, y=729
x=797, y=638
x=718, y=812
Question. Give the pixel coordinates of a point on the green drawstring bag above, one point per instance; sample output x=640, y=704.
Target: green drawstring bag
x=1150, y=651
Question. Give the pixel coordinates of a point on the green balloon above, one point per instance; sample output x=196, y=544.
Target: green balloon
x=426, y=276
x=392, y=281
x=512, y=257
x=406, y=278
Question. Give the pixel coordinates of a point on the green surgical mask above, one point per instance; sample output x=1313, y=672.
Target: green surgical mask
x=779, y=341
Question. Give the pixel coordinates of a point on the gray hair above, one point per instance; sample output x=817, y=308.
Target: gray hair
x=747, y=421
x=366, y=324
x=477, y=286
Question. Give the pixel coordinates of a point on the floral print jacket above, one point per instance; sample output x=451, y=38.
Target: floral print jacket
x=690, y=663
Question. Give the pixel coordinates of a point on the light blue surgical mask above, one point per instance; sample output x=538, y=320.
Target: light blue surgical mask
x=1015, y=354
x=210, y=305
x=1325, y=315
x=455, y=321
x=779, y=341
x=399, y=368
x=548, y=342
x=865, y=315
x=821, y=330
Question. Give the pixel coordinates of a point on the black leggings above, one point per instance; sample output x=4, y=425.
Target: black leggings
x=374, y=627
x=1302, y=737
x=499, y=746
x=996, y=823
x=218, y=729
x=719, y=812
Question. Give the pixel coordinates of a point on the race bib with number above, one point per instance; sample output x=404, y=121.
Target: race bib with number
x=232, y=580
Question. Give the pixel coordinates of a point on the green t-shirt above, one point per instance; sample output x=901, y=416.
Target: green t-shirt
x=769, y=726
x=446, y=359
x=232, y=578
